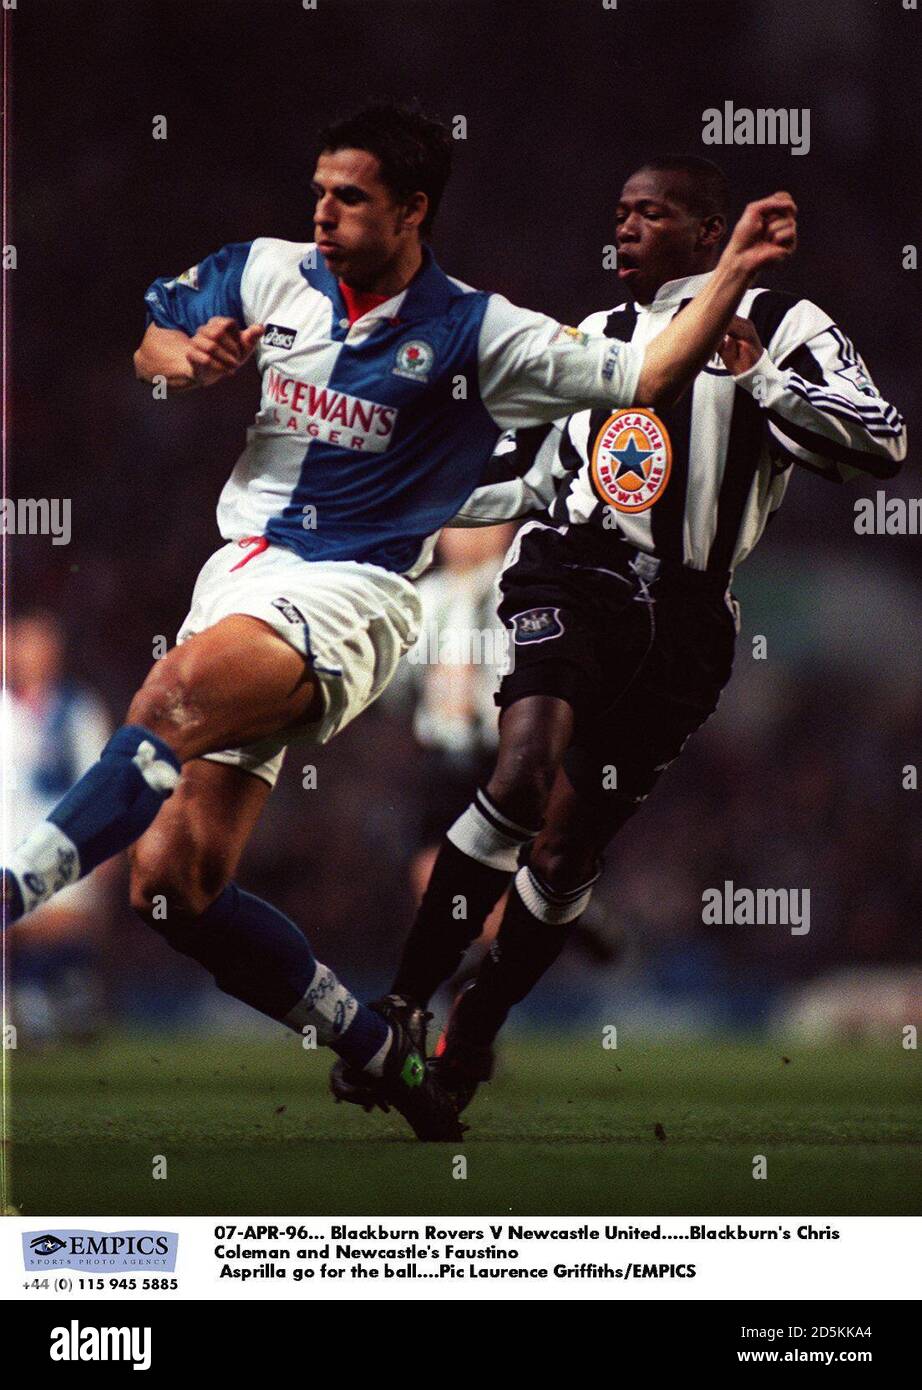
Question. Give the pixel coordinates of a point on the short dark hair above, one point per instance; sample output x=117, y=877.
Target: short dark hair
x=414, y=150
x=708, y=188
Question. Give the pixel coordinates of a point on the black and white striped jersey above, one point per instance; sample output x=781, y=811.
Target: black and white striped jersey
x=696, y=482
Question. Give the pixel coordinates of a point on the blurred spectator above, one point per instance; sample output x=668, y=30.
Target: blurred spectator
x=449, y=679
x=53, y=731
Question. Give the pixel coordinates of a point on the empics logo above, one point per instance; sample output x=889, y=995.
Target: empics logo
x=46, y=1245
x=106, y=1251
x=76, y=1343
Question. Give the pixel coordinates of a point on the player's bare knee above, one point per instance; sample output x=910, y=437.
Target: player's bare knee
x=561, y=862
x=521, y=791
x=521, y=784
x=169, y=704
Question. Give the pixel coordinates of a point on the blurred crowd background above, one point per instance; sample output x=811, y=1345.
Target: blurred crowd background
x=798, y=781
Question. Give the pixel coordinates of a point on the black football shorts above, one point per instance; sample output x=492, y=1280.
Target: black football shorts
x=642, y=658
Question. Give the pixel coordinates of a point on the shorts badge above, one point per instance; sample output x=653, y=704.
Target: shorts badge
x=631, y=460
x=288, y=610
x=414, y=360
x=537, y=625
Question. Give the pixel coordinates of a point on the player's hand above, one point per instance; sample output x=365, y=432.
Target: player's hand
x=741, y=347
x=219, y=348
x=766, y=234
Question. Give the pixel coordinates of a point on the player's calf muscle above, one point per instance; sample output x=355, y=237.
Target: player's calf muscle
x=162, y=888
x=191, y=852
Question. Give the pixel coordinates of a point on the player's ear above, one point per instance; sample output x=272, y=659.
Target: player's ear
x=712, y=229
x=413, y=213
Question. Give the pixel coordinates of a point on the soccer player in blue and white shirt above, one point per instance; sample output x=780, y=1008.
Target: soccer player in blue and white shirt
x=385, y=386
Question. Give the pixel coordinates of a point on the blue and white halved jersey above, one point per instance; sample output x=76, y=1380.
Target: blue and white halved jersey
x=370, y=438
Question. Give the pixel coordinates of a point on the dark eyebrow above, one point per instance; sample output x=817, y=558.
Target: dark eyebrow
x=350, y=190
x=642, y=205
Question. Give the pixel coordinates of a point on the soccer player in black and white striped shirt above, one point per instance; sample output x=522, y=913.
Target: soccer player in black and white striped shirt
x=619, y=606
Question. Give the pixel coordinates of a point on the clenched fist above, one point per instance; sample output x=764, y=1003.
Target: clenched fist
x=766, y=234
x=741, y=347
x=219, y=347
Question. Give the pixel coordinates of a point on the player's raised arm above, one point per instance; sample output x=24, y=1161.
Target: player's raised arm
x=214, y=352
x=197, y=332
x=533, y=370
x=766, y=234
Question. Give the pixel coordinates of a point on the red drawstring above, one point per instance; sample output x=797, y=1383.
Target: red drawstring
x=259, y=544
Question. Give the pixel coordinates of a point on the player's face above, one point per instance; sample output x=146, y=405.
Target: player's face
x=34, y=654
x=359, y=226
x=657, y=237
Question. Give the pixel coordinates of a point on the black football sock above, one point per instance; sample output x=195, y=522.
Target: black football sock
x=472, y=871
x=531, y=936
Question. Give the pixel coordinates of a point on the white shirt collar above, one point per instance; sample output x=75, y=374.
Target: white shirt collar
x=674, y=291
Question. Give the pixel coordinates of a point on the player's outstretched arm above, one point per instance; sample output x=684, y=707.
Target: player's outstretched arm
x=533, y=370
x=766, y=234
x=216, y=350
x=822, y=409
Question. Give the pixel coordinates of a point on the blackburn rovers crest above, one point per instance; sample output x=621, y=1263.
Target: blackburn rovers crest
x=414, y=360
x=631, y=460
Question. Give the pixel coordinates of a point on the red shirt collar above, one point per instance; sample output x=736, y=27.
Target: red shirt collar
x=358, y=302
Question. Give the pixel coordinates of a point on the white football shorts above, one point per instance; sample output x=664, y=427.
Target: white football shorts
x=353, y=623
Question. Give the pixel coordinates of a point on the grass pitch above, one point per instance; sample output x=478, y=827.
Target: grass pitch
x=566, y=1129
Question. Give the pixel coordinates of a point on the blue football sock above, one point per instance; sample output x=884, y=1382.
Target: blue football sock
x=257, y=954
x=106, y=811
